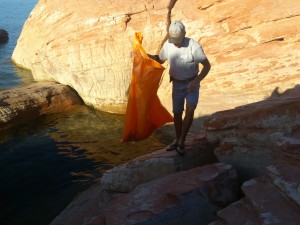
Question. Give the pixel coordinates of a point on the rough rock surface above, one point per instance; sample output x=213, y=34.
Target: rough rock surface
x=273, y=198
x=95, y=201
x=261, y=139
x=189, y=197
x=192, y=196
x=264, y=137
x=253, y=136
x=24, y=104
x=253, y=47
x=126, y=177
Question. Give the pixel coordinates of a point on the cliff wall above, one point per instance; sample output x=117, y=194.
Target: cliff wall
x=253, y=47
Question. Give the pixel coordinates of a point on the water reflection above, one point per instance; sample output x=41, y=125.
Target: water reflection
x=99, y=134
x=37, y=182
x=13, y=76
x=89, y=133
x=24, y=75
x=46, y=163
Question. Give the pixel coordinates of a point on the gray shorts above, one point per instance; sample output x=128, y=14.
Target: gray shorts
x=180, y=94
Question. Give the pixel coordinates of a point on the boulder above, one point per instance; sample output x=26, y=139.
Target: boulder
x=165, y=188
x=126, y=177
x=273, y=198
x=153, y=172
x=253, y=136
x=86, y=206
x=271, y=131
x=187, y=197
x=253, y=47
x=21, y=105
x=3, y=36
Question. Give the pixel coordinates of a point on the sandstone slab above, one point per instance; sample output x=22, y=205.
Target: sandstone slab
x=21, y=105
x=86, y=206
x=247, y=137
x=272, y=206
x=126, y=177
x=253, y=136
x=188, y=197
x=285, y=176
x=193, y=192
x=253, y=47
x=270, y=199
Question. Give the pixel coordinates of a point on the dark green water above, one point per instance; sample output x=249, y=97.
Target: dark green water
x=45, y=164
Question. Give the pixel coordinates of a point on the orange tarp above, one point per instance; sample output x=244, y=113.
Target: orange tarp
x=144, y=112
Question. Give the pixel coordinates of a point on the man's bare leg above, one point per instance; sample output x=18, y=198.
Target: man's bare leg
x=178, y=126
x=186, y=124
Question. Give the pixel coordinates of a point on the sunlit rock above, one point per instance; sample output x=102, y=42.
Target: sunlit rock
x=253, y=47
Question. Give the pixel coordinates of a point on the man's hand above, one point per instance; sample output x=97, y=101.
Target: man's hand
x=194, y=84
x=156, y=58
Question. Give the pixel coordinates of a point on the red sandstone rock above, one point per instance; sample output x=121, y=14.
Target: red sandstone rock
x=253, y=47
x=255, y=135
x=188, y=197
x=272, y=206
x=151, y=167
x=285, y=175
x=272, y=152
x=126, y=177
x=24, y=104
x=271, y=199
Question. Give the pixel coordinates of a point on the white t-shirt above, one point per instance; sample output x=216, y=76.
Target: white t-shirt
x=184, y=61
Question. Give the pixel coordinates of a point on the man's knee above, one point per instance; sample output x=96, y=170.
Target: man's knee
x=177, y=115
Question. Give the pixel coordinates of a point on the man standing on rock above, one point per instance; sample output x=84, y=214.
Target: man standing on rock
x=184, y=56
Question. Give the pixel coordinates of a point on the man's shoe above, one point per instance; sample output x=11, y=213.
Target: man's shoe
x=180, y=149
x=172, y=147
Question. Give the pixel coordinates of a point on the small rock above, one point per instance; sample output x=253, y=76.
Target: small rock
x=3, y=36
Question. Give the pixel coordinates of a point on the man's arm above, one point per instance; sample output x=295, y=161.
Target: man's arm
x=156, y=58
x=205, y=70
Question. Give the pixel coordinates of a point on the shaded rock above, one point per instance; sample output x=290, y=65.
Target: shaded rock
x=126, y=177
x=253, y=136
x=24, y=104
x=161, y=190
x=272, y=206
x=285, y=176
x=3, y=36
x=270, y=199
x=238, y=213
x=290, y=145
x=273, y=198
x=86, y=206
x=187, y=197
x=219, y=180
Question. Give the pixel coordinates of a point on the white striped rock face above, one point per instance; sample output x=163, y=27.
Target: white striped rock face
x=253, y=47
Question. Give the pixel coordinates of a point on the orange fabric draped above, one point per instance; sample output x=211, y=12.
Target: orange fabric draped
x=144, y=112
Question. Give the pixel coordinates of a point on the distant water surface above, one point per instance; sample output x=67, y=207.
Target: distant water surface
x=13, y=14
